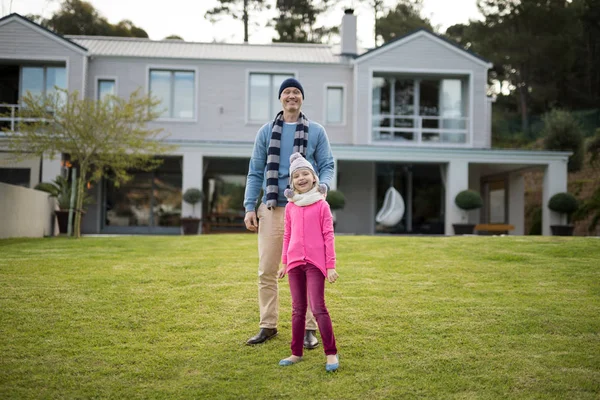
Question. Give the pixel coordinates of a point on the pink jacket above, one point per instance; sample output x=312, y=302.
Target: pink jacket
x=308, y=236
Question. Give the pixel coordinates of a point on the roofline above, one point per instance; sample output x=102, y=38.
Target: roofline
x=418, y=33
x=121, y=56
x=383, y=153
x=45, y=31
x=136, y=39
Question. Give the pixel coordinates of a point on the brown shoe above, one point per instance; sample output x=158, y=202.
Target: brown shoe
x=262, y=336
x=310, y=340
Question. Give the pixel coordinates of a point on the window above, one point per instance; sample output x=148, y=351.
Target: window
x=419, y=109
x=263, y=101
x=334, y=105
x=15, y=176
x=105, y=87
x=175, y=89
x=42, y=80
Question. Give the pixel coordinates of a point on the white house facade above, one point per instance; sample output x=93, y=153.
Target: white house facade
x=413, y=114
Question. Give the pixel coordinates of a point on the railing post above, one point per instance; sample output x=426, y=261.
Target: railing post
x=12, y=118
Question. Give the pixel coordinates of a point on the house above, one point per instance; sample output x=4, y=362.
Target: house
x=413, y=114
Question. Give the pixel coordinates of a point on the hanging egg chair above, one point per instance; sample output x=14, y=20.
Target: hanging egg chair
x=392, y=210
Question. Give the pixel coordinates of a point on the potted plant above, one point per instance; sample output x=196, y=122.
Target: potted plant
x=564, y=204
x=60, y=188
x=190, y=224
x=336, y=200
x=466, y=200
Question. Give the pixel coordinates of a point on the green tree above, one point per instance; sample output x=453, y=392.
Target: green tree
x=378, y=8
x=405, y=18
x=101, y=137
x=296, y=22
x=533, y=46
x=77, y=17
x=238, y=9
x=585, y=76
x=562, y=132
x=126, y=28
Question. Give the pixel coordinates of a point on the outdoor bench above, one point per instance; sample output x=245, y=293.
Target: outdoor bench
x=494, y=229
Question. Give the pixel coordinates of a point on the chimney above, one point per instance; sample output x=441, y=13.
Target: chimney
x=348, y=33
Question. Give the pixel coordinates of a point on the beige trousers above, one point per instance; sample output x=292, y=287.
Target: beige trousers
x=270, y=245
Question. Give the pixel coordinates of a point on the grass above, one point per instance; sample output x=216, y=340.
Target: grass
x=167, y=318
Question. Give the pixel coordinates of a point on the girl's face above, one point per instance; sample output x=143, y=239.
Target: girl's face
x=303, y=180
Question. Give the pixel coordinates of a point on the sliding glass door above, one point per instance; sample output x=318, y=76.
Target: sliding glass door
x=149, y=203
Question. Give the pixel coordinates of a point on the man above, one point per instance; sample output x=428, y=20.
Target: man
x=290, y=132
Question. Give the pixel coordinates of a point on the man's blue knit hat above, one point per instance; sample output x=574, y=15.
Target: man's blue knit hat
x=290, y=82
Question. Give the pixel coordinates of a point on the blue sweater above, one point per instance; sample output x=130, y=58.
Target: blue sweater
x=318, y=153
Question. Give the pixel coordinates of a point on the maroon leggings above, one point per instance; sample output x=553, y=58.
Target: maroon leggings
x=308, y=278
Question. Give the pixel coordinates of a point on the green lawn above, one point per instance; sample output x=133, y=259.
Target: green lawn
x=415, y=317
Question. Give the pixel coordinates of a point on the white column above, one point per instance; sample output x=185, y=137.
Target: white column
x=457, y=180
x=516, y=203
x=475, y=184
x=409, y=197
x=555, y=181
x=50, y=168
x=193, y=171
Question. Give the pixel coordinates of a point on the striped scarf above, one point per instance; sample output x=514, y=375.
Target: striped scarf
x=300, y=144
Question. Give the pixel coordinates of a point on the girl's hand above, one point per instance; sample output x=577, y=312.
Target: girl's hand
x=332, y=275
x=281, y=272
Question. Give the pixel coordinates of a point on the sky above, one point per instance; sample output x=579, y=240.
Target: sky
x=186, y=17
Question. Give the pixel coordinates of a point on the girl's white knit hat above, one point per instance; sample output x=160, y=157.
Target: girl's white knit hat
x=297, y=161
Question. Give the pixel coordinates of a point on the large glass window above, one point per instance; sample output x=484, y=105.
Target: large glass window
x=175, y=89
x=15, y=176
x=263, y=102
x=32, y=81
x=335, y=105
x=418, y=109
x=149, y=199
x=43, y=80
x=106, y=87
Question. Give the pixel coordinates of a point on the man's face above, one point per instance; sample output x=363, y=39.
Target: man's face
x=291, y=99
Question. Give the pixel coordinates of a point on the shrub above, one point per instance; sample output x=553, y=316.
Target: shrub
x=563, y=203
x=593, y=147
x=468, y=200
x=193, y=196
x=562, y=132
x=591, y=207
x=336, y=199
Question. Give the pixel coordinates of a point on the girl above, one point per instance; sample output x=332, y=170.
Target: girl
x=308, y=257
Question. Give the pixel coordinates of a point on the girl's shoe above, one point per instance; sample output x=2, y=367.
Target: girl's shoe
x=287, y=362
x=333, y=367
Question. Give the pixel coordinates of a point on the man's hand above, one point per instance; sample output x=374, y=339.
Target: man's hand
x=251, y=221
x=332, y=275
x=281, y=272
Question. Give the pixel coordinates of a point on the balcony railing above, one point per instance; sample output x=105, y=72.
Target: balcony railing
x=411, y=129
x=9, y=117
